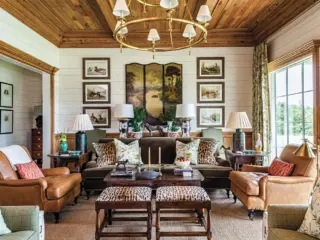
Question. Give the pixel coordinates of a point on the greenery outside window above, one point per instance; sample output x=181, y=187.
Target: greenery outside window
x=292, y=105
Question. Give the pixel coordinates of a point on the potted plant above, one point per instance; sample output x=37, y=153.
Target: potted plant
x=169, y=116
x=140, y=114
x=136, y=130
x=173, y=131
x=63, y=142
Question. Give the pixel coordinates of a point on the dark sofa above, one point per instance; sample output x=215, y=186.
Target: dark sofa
x=215, y=176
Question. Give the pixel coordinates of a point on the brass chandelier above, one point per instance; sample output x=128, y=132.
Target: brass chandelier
x=121, y=10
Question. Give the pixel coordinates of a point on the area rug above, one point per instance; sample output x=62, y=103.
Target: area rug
x=229, y=222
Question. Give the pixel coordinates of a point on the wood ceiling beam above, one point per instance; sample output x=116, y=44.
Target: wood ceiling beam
x=217, y=13
x=103, y=11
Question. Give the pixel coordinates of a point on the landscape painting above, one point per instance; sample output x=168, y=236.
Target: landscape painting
x=172, y=84
x=154, y=86
x=210, y=116
x=100, y=116
x=154, y=89
x=135, y=84
x=210, y=68
x=96, y=68
x=96, y=93
x=210, y=92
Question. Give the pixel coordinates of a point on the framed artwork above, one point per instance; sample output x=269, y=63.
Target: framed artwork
x=6, y=123
x=210, y=67
x=100, y=116
x=210, y=92
x=96, y=92
x=6, y=97
x=154, y=86
x=96, y=68
x=210, y=116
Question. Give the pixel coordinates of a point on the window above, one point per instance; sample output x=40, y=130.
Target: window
x=291, y=105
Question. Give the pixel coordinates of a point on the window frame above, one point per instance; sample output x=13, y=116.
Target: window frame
x=274, y=97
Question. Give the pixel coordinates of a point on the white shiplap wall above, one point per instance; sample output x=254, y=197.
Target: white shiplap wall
x=238, y=78
x=302, y=30
x=27, y=94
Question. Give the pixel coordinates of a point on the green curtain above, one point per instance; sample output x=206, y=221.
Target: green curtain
x=261, y=97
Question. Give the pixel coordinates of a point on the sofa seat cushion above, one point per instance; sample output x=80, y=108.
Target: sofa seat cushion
x=248, y=182
x=21, y=235
x=58, y=186
x=125, y=194
x=181, y=193
x=284, y=234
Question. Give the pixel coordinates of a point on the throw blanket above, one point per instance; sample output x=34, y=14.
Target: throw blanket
x=16, y=155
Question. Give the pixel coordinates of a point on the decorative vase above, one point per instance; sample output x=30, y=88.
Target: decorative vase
x=169, y=125
x=136, y=135
x=173, y=134
x=63, y=146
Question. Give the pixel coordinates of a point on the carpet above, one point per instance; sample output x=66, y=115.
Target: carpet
x=229, y=222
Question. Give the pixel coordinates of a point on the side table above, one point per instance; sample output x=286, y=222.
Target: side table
x=58, y=160
x=238, y=160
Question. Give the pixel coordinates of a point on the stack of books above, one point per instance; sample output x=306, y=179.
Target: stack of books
x=183, y=171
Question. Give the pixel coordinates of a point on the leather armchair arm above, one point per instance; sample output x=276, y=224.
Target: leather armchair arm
x=254, y=168
x=23, y=192
x=55, y=171
x=286, y=216
x=285, y=190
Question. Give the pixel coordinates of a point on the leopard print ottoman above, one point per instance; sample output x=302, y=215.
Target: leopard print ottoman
x=125, y=194
x=181, y=193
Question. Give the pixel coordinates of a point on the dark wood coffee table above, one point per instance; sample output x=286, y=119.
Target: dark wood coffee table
x=167, y=179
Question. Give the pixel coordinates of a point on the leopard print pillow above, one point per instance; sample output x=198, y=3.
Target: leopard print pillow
x=106, y=153
x=207, y=151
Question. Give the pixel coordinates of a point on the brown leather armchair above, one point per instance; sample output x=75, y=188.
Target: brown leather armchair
x=256, y=190
x=51, y=193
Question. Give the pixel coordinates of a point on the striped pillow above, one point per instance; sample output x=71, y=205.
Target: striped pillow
x=29, y=170
x=280, y=168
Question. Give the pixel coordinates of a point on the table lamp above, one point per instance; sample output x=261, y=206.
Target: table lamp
x=185, y=112
x=305, y=150
x=37, y=111
x=81, y=124
x=238, y=121
x=123, y=112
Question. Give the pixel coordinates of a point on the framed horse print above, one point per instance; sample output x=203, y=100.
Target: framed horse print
x=100, y=116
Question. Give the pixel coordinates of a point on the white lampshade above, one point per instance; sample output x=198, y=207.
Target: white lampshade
x=82, y=122
x=153, y=35
x=123, y=111
x=204, y=14
x=189, y=31
x=238, y=120
x=185, y=111
x=123, y=31
x=168, y=4
x=121, y=9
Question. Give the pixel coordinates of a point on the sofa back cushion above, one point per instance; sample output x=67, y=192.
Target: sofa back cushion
x=6, y=171
x=302, y=166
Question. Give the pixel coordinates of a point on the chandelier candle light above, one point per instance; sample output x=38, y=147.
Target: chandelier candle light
x=121, y=10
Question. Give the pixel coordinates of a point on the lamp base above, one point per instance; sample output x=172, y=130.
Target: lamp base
x=239, y=141
x=123, y=127
x=186, y=127
x=80, y=141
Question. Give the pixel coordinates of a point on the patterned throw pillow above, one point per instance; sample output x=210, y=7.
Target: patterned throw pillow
x=206, y=152
x=29, y=170
x=3, y=226
x=189, y=150
x=280, y=168
x=311, y=223
x=130, y=152
x=106, y=153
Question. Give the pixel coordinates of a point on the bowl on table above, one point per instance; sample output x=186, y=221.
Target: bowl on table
x=182, y=162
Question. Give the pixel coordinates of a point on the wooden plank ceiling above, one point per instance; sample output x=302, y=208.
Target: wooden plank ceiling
x=90, y=23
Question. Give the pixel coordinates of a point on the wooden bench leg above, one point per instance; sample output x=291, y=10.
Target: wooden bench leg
x=110, y=216
x=209, y=231
x=157, y=223
x=200, y=215
x=149, y=228
x=97, y=235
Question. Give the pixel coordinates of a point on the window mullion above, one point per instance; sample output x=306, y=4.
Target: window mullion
x=303, y=113
x=287, y=106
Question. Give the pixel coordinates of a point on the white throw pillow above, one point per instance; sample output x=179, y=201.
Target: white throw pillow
x=311, y=223
x=3, y=226
x=188, y=150
x=130, y=152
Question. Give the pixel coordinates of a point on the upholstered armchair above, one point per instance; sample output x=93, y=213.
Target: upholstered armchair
x=256, y=189
x=51, y=193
